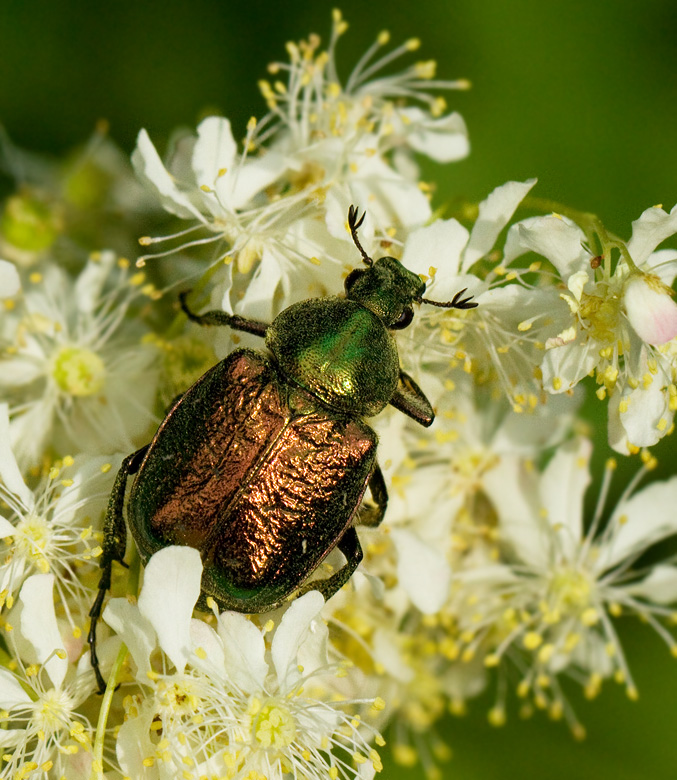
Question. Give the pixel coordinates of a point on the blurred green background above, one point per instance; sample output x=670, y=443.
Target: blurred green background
x=581, y=94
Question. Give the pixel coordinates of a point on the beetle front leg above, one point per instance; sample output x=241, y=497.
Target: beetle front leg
x=114, y=545
x=349, y=545
x=372, y=514
x=410, y=399
x=217, y=317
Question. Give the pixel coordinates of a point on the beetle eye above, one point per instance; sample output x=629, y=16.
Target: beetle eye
x=352, y=277
x=404, y=319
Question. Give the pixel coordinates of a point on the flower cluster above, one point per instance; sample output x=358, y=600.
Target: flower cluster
x=487, y=566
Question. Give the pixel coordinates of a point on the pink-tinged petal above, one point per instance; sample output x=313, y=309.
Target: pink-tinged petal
x=171, y=586
x=555, y=238
x=39, y=626
x=9, y=470
x=651, y=229
x=494, y=214
x=150, y=169
x=422, y=571
x=650, y=309
x=296, y=622
x=10, y=284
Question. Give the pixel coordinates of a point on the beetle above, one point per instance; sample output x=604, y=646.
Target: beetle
x=263, y=463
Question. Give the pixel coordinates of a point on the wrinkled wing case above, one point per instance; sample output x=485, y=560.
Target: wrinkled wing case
x=257, y=476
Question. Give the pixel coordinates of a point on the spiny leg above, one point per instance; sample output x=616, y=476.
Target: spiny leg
x=114, y=544
x=372, y=514
x=410, y=399
x=349, y=545
x=217, y=317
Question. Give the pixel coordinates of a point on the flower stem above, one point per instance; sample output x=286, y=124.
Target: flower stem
x=97, y=764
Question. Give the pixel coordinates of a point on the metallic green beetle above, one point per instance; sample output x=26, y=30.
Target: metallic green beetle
x=263, y=463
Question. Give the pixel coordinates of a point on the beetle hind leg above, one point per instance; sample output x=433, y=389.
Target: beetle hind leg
x=114, y=544
x=349, y=545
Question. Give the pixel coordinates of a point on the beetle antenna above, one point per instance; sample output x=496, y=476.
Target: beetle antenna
x=455, y=303
x=354, y=223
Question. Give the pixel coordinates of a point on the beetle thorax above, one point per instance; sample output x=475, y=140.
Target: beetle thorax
x=339, y=351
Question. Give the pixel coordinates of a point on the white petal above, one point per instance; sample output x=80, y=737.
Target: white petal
x=10, y=284
x=387, y=654
x=660, y=586
x=291, y=632
x=644, y=519
x=443, y=139
x=562, y=491
x=245, y=650
x=513, y=491
x=11, y=693
x=439, y=245
x=134, y=745
x=39, y=626
x=91, y=281
x=10, y=737
x=6, y=528
x=647, y=416
x=556, y=238
x=135, y=631
x=650, y=309
x=171, y=586
x=9, y=470
x=494, y=214
x=651, y=229
x=422, y=571
x=214, y=151
x=564, y=366
x=151, y=171
x=252, y=177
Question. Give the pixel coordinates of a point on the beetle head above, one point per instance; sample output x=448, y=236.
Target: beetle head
x=388, y=288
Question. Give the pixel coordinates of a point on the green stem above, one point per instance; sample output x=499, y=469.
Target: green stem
x=97, y=765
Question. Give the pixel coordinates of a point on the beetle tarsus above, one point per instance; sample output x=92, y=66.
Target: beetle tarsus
x=455, y=303
x=94, y=615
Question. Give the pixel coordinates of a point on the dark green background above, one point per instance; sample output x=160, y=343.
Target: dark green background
x=581, y=94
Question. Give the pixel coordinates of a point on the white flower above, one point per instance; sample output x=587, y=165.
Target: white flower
x=52, y=528
x=276, y=216
x=616, y=323
x=233, y=705
x=549, y=603
x=496, y=342
x=74, y=371
x=43, y=730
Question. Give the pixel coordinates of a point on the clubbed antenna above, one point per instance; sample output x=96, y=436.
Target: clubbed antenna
x=455, y=303
x=354, y=223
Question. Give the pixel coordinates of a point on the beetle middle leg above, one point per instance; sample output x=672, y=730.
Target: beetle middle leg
x=372, y=514
x=217, y=317
x=114, y=545
x=349, y=545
